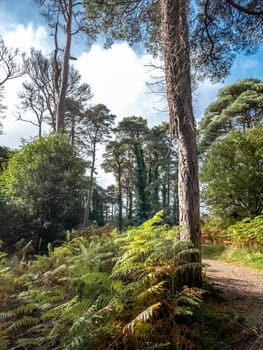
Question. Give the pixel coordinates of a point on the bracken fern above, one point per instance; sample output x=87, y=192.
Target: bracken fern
x=99, y=293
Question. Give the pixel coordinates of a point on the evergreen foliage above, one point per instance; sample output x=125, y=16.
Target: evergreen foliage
x=232, y=176
x=238, y=106
x=144, y=163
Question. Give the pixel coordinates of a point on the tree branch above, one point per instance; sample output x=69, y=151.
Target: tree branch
x=245, y=10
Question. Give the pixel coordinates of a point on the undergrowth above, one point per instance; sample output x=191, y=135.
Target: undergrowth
x=241, y=242
x=115, y=292
x=231, y=253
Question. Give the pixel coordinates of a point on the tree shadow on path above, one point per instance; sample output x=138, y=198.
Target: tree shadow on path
x=241, y=289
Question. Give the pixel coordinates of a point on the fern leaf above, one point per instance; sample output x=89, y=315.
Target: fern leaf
x=55, y=271
x=153, y=290
x=189, y=301
x=5, y=315
x=4, y=341
x=183, y=311
x=144, y=316
x=2, y=255
x=23, y=322
x=26, y=343
x=25, y=309
x=157, y=219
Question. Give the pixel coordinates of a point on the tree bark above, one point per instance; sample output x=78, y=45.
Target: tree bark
x=120, y=221
x=60, y=113
x=178, y=81
x=86, y=219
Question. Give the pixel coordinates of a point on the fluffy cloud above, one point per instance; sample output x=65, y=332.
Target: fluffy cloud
x=25, y=37
x=118, y=79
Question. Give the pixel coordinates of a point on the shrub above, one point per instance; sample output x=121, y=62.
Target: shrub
x=247, y=233
x=45, y=181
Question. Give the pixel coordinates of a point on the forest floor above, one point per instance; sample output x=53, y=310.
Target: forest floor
x=242, y=291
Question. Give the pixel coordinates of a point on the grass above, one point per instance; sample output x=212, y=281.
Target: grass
x=234, y=254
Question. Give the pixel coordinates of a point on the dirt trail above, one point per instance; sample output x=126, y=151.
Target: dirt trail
x=242, y=290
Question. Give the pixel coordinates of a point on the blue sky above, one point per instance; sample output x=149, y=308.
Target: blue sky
x=20, y=10
x=117, y=76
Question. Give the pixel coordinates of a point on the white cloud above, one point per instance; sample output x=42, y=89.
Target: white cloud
x=24, y=38
x=118, y=79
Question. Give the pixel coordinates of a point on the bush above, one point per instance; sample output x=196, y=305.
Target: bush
x=247, y=233
x=45, y=181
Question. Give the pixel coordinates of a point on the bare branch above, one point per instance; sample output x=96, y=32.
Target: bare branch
x=9, y=67
x=246, y=10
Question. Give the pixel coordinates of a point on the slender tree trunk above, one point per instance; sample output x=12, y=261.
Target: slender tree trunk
x=88, y=202
x=130, y=194
x=60, y=113
x=142, y=205
x=56, y=66
x=73, y=126
x=120, y=221
x=178, y=82
x=40, y=130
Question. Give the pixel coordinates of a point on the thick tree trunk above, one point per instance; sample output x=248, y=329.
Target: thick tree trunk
x=60, y=112
x=178, y=82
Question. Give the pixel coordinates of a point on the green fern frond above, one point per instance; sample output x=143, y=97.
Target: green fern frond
x=4, y=340
x=4, y=269
x=67, y=305
x=24, y=309
x=188, y=251
x=153, y=290
x=26, y=343
x=183, y=311
x=124, y=267
x=4, y=315
x=179, y=246
x=189, y=301
x=144, y=316
x=55, y=271
x=189, y=266
x=2, y=255
x=75, y=343
x=156, y=219
x=26, y=321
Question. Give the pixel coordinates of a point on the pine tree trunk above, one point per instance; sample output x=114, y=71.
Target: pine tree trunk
x=86, y=218
x=130, y=193
x=120, y=223
x=60, y=112
x=178, y=81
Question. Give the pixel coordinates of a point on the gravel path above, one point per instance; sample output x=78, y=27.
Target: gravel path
x=242, y=290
